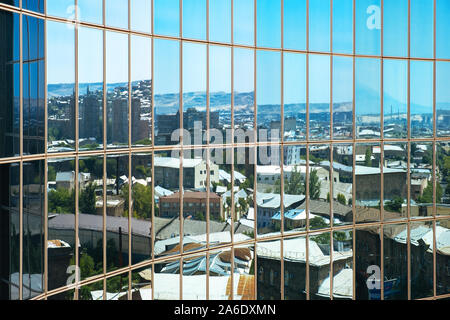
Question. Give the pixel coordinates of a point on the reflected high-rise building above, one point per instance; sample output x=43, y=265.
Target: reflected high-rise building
x=91, y=125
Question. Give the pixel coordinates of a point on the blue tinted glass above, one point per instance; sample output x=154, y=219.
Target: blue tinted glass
x=422, y=28
x=343, y=26
x=294, y=31
x=194, y=19
x=395, y=23
x=442, y=98
x=268, y=23
x=421, y=99
x=442, y=29
x=61, y=8
x=90, y=11
x=243, y=18
x=141, y=15
x=319, y=25
x=368, y=27
x=167, y=17
x=33, y=5
x=117, y=13
x=220, y=20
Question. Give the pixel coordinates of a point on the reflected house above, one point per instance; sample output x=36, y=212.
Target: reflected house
x=269, y=277
x=268, y=204
x=194, y=205
x=66, y=180
x=114, y=206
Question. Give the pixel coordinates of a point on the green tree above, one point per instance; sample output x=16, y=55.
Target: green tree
x=142, y=200
x=427, y=196
x=87, y=199
x=314, y=185
x=61, y=201
x=317, y=223
x=368, y=159
x=394, y=205
x=341, y=199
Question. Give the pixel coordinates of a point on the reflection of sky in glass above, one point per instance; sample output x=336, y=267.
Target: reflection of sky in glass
x=367, y=84
x=294, y=78
x=166, y=64
x=319, y=25
x=141, y=13
x=342, y=79
x=268, y=23
x=421, y=87
x=60, y=8
x=395, y=23
x=319, y=79
x=116, y=57
x=243, y=70
x=268, y=77
x=141, y=55
x=90, y=55
x=219, y=69
x=117, y=13
x=243, y=14
x=294, y=30
x=395, y=73
x=220, y=20
x=194, y=67
x=422, y=28
x=368, y=27
x=60, y=53
x=442, y=29
x=343, y=26
x=194, y=19
x=92, y=10
x=442, y=85
x=167, y=17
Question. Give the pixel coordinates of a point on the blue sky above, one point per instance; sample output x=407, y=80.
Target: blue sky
x=368, y=37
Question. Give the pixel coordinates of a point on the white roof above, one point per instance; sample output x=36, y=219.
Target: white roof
x=223, y=175
x=161, y=192
x=167, y=162
x=342, y=285
x=363, y=170
x=272, y=200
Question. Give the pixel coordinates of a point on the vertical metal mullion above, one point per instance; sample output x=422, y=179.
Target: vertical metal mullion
x=105, y=143
x=281, y=150
x=408, y=174
x=46, y=159
x=354, y=150
x=21, y=155
x=307, y=285
x=434, y=151
x=130, y=157
x=330, y=148
x=255, y=139
x=382, y=151
x=181, y=214
x=152, y=230
x=207, y=150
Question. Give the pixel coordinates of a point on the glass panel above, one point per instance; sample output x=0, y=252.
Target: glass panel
x=268, y=23
x=268, y=95
x=294, y=96
x=60, y=87
x=243, y=23
x=342, y=184
x=395, y=262
x=194, y=278
x=442, y=99
x=141, y=283
x=33, y=229
x=220, y=20
x=319, y=25
x=33, y=5
x=342, y=97
x=421, y=92
x=368, y=182
x=194, y=93
x=443, y=179
x=319, y=247
x=319, y=97
x=11, y=2
x=117, y=190
x=421, y=238
x=268, y=190
x=342, y=265
x=442, y=264
x=141, y=208
x=90, y=77
x=10, y=228
x=90, y=216
x=269, y=270
x=368, y=264
x=117, y=89
x=166, y=280
x=166, y=17
x=243, y=273
x=422, y=26
x=367, y=99
x=220, y=275
x=220, y=93
x=90, y=10
x=141, y=86
x=343, y=26
x=395, y=177
x=294, y=29
x=141, y=15
x=10, y=88
x=194, y=19
x=93, y=291
x=442, y=29
x=244, y=92
x=116, y=13
x=61, y=222
x=117, y=287
x=421, y=166
x=395, y=98
x=167, y=87
x=167, y=202
x=60, y=8
x=294, y=255
x=395, y=24
x=368, y=27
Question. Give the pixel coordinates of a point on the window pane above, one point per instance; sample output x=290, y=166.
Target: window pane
x=141, y=85
x=319, y=25
x=90, y=77
x=117, y=13
x=421, y=92
x=268, y=23
x=294, y=20
x=442, y=99
x=167, y=17
x=294, y=255
x=442, y=29
x=342, y=97
x=422, y=27
x=319, y=97
x=269, y=270
x=343, y=26
x=368, y=27
x=194, y=19
x=421, y=259
x=60, y=87
x=443, y=179
x=244, y=90
x=33, y=5
x=442, y=267
x=91, y=10
x=117, y=89
x=220, y=20
x=244, y=13
x=167, y=87
x=61, y=8
x=421, y=182
x=395, y=23
x=342, y=184
x=141, y=15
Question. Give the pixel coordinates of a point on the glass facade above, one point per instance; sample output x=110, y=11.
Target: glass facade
x=174, y=150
